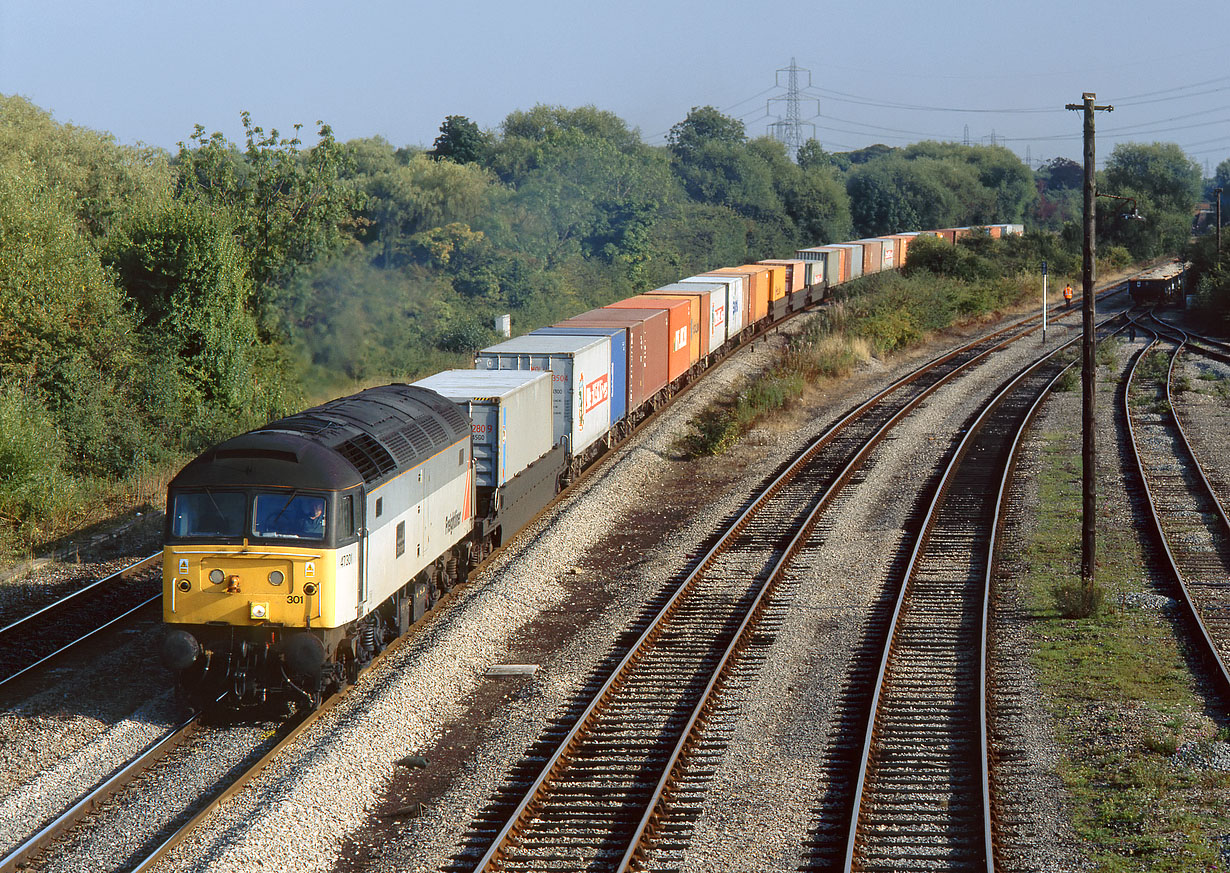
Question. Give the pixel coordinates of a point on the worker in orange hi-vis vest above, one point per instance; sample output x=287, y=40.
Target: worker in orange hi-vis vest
x=1067, y=296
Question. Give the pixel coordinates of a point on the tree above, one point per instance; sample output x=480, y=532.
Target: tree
x=188, y=276
x=1061, y=173
x=290, y=207
x=461, y=141
x=1165, y=184
x=703, y=127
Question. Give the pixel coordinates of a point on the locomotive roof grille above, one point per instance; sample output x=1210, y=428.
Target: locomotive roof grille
x=434, y=430
x=417, y=436
x=369, y=457
x=400, y=447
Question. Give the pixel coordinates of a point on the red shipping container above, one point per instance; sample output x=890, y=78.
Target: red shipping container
x=700, y=326
x=679, y=341
x=648, y=330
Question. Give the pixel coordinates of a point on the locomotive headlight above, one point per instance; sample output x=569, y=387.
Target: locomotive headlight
x=277, y=577
x=216, y=576
x=184, y=585
x=258, y=611
x=309, y=589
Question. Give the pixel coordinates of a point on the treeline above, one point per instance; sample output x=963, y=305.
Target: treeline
x=153, y=303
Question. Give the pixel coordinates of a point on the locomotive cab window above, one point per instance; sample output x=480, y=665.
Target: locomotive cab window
x=346, y=524
x=294, y=516
x=208, y=514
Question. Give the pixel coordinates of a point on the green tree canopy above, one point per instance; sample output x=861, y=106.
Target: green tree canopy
x=461, y=141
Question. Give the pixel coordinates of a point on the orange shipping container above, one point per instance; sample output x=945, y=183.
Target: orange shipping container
x=903, y=241
x=755, y=289
x=796, y=273
x=777, y=280
x=699, y=336
x=679, y=353
x=873, y=255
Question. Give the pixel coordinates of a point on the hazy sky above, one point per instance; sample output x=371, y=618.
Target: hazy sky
x=893, y=72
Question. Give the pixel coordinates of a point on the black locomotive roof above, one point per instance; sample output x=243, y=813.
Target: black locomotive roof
x=364, y=438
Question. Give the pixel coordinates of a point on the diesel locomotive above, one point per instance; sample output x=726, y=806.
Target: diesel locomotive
x=297, y=551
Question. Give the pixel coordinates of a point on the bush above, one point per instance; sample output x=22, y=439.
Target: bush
x=33, y=484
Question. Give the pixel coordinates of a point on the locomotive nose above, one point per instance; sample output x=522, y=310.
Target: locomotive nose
x=180, y=650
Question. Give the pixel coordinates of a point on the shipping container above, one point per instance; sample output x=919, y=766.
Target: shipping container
x=712, y=298
x=815, y=262
x=873, y=255
x=755, y=290
x=580, y=383
x=841, y=258
x=648, y=332
x=698, y=332
x=735, y=307
x=796, y=274
x=619, y=360
x=901, y=243
x=679, y=333
x=836, y=262
x=777, y=279
x=510, y=418
x=854, y=258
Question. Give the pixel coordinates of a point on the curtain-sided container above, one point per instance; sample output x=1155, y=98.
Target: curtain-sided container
x=679, y=354
x=796, y=273
x=712, y=300
x=648, y=332
x=619, y=360
x=755, y=290
x=580, y=381
x=510, y=418
x=735, y=306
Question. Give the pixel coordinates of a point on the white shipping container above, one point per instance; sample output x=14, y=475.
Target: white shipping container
x=714, y=296
x=581, y=381
x=510, y=418
x=735, y=318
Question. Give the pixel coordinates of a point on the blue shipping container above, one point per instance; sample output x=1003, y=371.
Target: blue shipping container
x=619, y=361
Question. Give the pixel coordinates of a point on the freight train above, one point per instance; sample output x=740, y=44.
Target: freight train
x=296, y=552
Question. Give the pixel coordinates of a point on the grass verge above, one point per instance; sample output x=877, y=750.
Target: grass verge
x=879, y=315
x=1135, y=736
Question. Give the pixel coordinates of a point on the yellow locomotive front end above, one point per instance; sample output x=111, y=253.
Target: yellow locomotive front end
x=295, y=552
x=252, y=584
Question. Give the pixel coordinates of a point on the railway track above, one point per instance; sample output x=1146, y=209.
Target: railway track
x=593, y=794
x=1211, y=348
x=922, y=794
x=1190, y=521
x=956, y=359
x=48, y=633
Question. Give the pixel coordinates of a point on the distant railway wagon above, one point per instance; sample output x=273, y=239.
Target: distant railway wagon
x=1163, y=284
x=296, y=552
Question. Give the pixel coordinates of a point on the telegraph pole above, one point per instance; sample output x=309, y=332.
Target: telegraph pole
x=1088, y=381
x=1217, y=191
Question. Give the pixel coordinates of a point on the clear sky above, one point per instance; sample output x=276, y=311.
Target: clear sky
x=895, y=72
